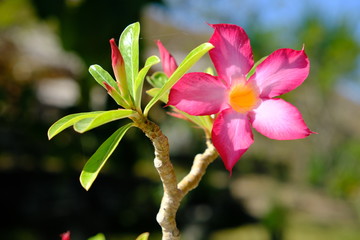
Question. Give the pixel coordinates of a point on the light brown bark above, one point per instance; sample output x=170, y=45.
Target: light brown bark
x=173, y=192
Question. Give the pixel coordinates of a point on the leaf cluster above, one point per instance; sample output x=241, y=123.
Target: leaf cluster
x=129, y=100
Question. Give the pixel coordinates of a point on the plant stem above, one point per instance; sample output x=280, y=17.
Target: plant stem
x=173, y=192
x=198, y=169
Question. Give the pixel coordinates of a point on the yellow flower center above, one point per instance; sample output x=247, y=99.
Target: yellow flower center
x=243, y=96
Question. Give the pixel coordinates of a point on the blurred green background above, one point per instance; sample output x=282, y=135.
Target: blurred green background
x=280, y=190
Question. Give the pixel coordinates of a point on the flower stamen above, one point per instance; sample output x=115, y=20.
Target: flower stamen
x=243, y=97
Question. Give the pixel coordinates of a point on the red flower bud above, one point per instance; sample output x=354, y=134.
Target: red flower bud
x=65, y=235
x=167, y=60
x=118, y=66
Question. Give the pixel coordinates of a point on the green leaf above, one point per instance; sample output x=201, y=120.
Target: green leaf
x=202, y=121
x=253, y=69
x=98, y=236
x=129, y=48
x=101, y=76
x=152, y=92
x=185, y=65
x=157, y=80
x=100, y=119
x=99, y=158
x=210, y=71
x=140, y=79
x=68, y=121
x=144, y=236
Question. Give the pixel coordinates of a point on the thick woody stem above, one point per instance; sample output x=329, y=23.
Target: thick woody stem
x=173, y=192
x=169, y=202
x=198, y=169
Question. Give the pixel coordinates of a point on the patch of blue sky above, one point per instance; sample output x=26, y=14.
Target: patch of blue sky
x=192, y=15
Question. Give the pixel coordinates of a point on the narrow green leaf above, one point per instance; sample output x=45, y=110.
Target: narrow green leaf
x=253, y=69
x=99, y=158
x=144, y=236
x=68, y=121
x=100, y=119
x=101, y=76
x=202, y=121
x=82, y=124
x=153, y=91
x=119, y=99
x=157, y=80
x=185, y=65
x=129, y=48
x=140, y=79
x=98, y=236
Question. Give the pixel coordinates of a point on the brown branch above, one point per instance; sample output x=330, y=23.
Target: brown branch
x=198, y=169
x=173, y=192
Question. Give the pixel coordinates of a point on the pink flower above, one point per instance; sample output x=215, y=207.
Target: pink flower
x=65, y=235
x=240, y=102
x=167, y=60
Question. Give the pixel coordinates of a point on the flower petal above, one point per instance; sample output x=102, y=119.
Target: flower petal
x=231, y=136
x=278, y=119
x=284, y=70
x=167, y=60
x=232, y=55
x=199, y=94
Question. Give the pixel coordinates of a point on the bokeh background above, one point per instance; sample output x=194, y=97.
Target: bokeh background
x=280, y=190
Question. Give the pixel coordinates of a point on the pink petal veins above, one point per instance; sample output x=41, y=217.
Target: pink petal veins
x=284, y=70
x=232, y=55
x=231, y=136
x=167, y=60
x=199, y=94
x=278, y=119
